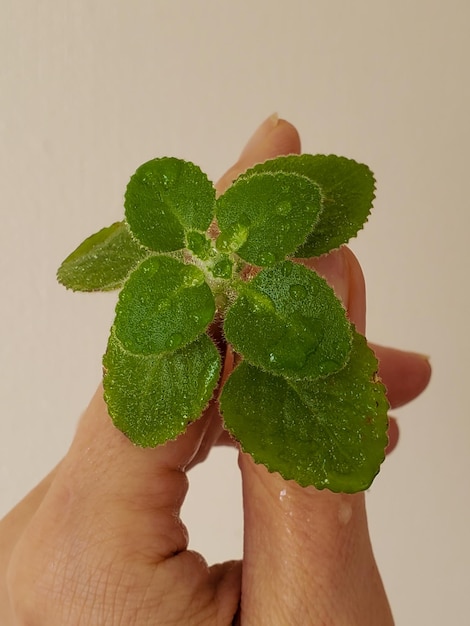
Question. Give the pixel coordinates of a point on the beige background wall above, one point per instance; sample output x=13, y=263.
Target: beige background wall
x=91, y=89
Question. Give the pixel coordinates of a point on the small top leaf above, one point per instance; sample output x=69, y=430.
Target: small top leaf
x=165, y=198
x=347, y=189
x=265, y=217
x=289, y=322
x=103, y=261
x=163, y=306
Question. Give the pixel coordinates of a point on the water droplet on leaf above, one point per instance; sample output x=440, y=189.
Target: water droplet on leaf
x=244, y=220
x=286, y=269
x=207, y=313
x=284, y=208
x=267, y=258
x=298, y=292
x=232, y=239
x=285, y=355
x=174, y=341
x=299, y=342
x=192, y=276
x=222, y=268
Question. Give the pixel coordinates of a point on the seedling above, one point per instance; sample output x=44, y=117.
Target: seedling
x=305, y=399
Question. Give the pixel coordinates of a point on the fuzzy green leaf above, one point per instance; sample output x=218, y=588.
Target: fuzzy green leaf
x=265, y=217
x=163, y=306
x=151, y=399
x=103, y=261
x=288, y=321
x=347, y=189
x=165, y=198
x=329, y=433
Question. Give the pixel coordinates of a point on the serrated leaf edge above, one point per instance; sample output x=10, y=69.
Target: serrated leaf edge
x=116, y=284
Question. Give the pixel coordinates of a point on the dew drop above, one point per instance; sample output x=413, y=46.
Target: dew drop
x=174, y=341
x=284, y=208
x=330, y=366
x=244, y=220
x=222, y=268
x=198, y=243
x=309, y=329
x=206, y=313
x=298, y=292
x=239, y=237
x=267, y=258
x=286, y=269
x=285, y=356
x=298, y=343
x=233, y=239
x=192, y=276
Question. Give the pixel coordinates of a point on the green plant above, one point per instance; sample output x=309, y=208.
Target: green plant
x=305, y=399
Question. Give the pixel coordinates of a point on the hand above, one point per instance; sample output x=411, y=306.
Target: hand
x=99, y=541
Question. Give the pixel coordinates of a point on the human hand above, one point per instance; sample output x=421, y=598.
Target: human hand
x=99, y=541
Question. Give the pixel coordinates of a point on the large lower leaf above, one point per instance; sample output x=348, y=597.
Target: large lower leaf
x=151, y=399
x=103, y=261
x=329, y=433
x=165, y=198
x=163, y=306
x=267, y=216
x=347, y=189
x=288, y=321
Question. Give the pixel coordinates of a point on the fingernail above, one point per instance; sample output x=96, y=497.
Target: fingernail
x=260, y=134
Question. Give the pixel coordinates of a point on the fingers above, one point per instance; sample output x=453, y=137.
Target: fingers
x=342, y=271
x=275, y=137
x=405, y=374
x=393, y=435
x=307, y=555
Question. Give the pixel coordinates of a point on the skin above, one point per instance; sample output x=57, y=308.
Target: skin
x=99, y=541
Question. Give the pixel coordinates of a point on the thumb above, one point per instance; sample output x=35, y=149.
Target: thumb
x=274, y=137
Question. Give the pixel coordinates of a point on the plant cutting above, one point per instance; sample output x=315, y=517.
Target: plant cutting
x=197, y=273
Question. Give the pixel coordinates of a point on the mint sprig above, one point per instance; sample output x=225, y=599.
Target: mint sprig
x=305, y=400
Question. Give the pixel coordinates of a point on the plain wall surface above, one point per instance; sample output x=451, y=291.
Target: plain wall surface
x=89, y=90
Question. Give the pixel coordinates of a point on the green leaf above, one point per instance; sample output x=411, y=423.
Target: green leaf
x=329, y=433
x=199, y=244
x=265, y=217
x=289, y=322
x=165, y=198
x=151, y=399
x=163, y=306
x=103, y=261
x=348, y=191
